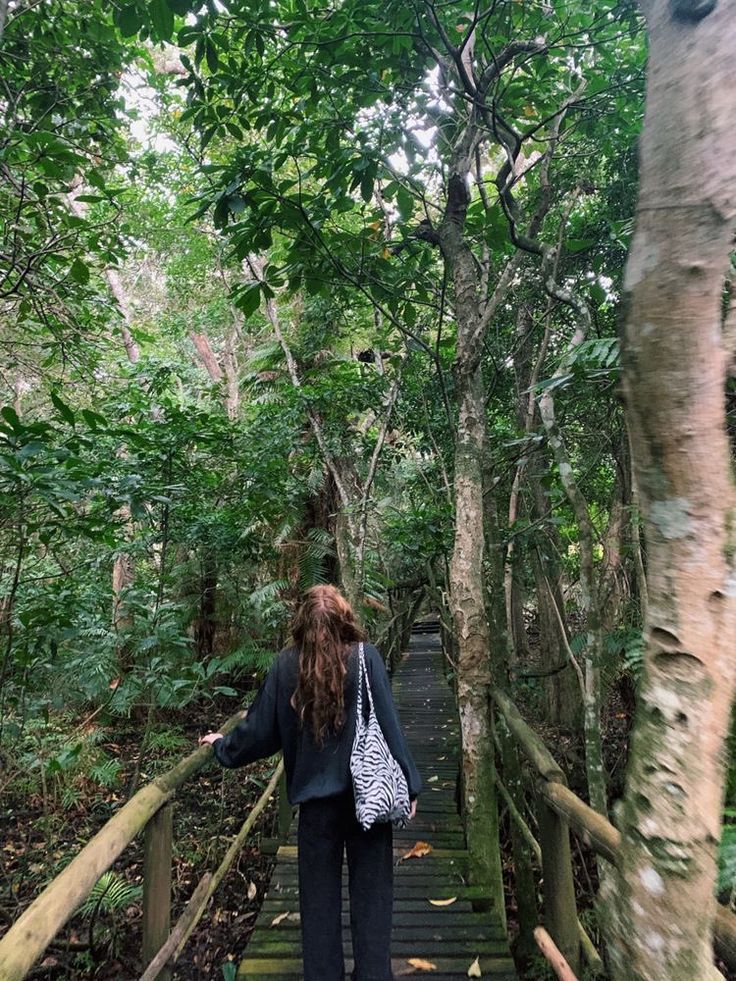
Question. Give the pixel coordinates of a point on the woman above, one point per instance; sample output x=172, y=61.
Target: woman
x=307, y=707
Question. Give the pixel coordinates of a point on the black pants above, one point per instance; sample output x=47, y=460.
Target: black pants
x=326, y=828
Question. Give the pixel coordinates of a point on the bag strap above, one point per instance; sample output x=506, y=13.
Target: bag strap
x=363, y=676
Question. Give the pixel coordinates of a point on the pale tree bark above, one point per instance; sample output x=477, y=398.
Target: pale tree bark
x=590, y=608
x=467, y=585
x=224, y=373
x=207, y=356
x=230, y=368
x=675, y=365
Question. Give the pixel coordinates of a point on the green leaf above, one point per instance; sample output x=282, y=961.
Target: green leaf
x=93, y=419
x=79, y=272
x=250, y=300
x=10, y=415
x=66, y=413
x=211, y=56
x=579, y=244
x=366, y=187
x=129, y=20
x=405, y=202
x=162, y=17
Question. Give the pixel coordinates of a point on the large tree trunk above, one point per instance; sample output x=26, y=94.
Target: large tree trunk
x=467, y=580
x=675, y=371
x=471, y=627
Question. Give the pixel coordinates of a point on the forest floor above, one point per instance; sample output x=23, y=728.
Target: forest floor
x=42, y=825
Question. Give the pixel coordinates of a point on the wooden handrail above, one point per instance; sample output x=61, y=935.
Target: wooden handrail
x=531, y=745
x=594, y=829
x=176, y=940
x=29, y=936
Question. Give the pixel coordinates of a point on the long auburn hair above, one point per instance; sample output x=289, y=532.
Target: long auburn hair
x=323, y=629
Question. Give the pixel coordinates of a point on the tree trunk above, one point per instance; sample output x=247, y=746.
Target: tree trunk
x=471, y=628
x=674, y=374
x=525, y=891
x=207, y=356
x=205, y=625
x=563, y=699
x=590, y=607
x=563, y=695
x=518, y=621
x=467, y=579
x=345, y=558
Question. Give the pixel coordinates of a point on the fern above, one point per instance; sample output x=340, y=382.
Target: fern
x=106, y=771
x=249, y=658
x=111, y=893
x=70, y=797
x=315, y=480
x=168, y=740
x=629, y=642
x=269, y=592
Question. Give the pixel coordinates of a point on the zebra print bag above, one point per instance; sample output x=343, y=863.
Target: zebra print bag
x=379, y=784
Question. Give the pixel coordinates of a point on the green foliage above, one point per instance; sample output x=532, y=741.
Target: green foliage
x=324, y=148
x=727, y=856
x=112, y=893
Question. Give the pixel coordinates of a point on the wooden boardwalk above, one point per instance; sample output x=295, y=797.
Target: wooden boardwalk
x=450, y=936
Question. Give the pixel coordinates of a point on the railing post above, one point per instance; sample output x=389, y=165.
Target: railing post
x=157, y=885
x=560, y=911
x=285, y=810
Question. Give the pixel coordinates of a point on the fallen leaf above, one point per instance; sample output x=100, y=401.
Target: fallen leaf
x=279, y=919
x=443, y=902
x=252, y=890
x=421, y=965
x=419, y=849
x=474, y=969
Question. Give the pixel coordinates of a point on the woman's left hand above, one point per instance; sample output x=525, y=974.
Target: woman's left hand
x=210, y=738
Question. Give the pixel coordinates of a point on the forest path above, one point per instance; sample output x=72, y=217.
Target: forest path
x=450, y=937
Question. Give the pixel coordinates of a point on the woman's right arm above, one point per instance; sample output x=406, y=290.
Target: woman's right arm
x=257, y=736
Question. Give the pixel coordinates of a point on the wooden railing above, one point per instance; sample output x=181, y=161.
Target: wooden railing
x=149, y=809
x=559, y=810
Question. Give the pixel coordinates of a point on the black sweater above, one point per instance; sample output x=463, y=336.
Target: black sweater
x=312, y=771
